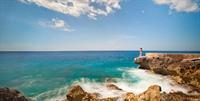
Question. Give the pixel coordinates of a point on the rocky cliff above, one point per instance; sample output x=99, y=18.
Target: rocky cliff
x=183, y=68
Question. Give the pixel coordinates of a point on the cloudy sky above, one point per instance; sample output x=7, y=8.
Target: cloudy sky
x=45, y=25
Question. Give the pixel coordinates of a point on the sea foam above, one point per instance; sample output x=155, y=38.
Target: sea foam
x=132, y=80
x=52, y=95
x=146, y=79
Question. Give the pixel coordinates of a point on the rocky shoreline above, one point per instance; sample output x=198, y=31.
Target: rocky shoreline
x=182, y=68
x=153, y=93
x=76, y=93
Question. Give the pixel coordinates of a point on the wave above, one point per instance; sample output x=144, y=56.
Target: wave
x=132, y=80
x=146, y=79
x=57, y=94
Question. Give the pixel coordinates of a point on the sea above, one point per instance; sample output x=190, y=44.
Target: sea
x=48, y=75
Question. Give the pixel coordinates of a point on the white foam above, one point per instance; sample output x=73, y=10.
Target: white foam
x=52, y=95
x=98, y=87
x=145, y=79
x=133, y=80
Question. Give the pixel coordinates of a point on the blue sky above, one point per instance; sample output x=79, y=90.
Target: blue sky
x=99, y=25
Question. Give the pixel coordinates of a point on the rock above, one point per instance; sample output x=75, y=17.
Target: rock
x=151, y=94
x=110, y=80
x=113, y=87
x=7, y=94
x=183, y=68
x=94, y=95
x=76, y=93
x=130, y=97
x=162, y=71
x=178, y=79
x=107, y=99
x=178, y=96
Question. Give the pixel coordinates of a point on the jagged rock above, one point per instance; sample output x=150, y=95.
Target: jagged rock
x=130, y=97
x=162, y=71
x=94, y=95
x=178, y=96
x=151, y=94
x=184, y=68
x=7, y=94
x=113, y=87
x=178, y=79
x=76, y=93
x=110, y=80
x=108, y=99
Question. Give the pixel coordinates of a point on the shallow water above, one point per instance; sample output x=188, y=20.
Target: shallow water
x=47, y=75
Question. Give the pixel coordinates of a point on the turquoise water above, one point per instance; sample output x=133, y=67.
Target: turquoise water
x=38, y=74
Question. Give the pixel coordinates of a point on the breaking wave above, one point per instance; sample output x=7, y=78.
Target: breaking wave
x=132, y=80
x=52, y=95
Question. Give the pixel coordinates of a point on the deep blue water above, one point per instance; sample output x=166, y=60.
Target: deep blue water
x=36, y=72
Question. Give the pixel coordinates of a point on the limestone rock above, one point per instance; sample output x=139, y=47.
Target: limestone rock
x=151, y=94
x=184, y=68
x=178, y=96
x=76, y=93
x=130, y=97
x=178, y=79
x=113, y=87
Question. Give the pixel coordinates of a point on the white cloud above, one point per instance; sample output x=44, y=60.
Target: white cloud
x=91, y=8
x=56, y=24
x=180, y=5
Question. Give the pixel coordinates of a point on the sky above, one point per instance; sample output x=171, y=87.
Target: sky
x=75, y=25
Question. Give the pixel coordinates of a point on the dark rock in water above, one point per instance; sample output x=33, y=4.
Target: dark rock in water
x=113, y=87
x=7, y=94
x=184, y=68
x=76, y=93
x=111, y=80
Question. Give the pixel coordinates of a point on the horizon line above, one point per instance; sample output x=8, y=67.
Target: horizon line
x=94, y=50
